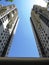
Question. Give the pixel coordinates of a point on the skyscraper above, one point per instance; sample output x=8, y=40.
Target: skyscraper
x=8, y=24
x=40, y=24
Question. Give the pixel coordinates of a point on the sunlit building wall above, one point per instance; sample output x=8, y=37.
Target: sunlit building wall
x=8, y=23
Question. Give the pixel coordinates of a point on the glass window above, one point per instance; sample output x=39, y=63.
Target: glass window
x=45, y=38
x=3, y=30
x=0, y=22
x=3, y=40
x=0, y=40
x=1, y=33
x=2, y=37
x=48, y=37
x=46, y=34
x=13, y=12
x=44, y=31
x=48, y=49
x=46, y=41
x=1, y=44
x=8, y=16
x=0, y=51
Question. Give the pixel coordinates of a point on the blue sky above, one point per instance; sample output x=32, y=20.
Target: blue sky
x=23, y=43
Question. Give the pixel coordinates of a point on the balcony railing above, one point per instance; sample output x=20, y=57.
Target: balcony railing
x=5, y=11
x=9, y=25
x=44, y=19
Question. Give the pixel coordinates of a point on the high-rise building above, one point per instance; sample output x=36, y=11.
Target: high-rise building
x=40, y=24
x=8, y=24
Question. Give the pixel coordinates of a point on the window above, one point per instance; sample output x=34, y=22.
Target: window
x=1, y=44
x=0, y=51
x=44, y=19
x=47, y=49
x=48, y=37
x=0, y=40
x=1, y=33
x=4, y=43
x=5, y=37
x=2, y=37
x=3, y=30
x=42, y=38
x=13, y=12
x=3, y=40
x=45, y=38
x=40, y=10
x=4, y=34
x=3, y=47
x=43, y=34
x=6, y=40
x=46, y=41
x=45, y=45
x=46, y=34
x=8, y=16
x=0, y=22
x=44, y=31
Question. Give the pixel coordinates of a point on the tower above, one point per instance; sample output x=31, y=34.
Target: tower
x=8, y=23
x=40, y=24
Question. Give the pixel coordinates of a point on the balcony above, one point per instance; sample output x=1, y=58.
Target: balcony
x=9, y=25
x=44, y=19
x=2, y=10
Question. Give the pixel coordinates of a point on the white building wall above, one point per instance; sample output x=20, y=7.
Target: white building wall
x=4, y=31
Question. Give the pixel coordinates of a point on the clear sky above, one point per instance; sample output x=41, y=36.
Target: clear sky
x=24, y=44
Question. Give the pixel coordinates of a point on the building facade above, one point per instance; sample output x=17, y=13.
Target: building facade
x=40, y=24
x=8, y=23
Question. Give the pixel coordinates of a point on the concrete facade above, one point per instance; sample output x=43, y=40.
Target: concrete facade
x=8, y=22
x=40, y=24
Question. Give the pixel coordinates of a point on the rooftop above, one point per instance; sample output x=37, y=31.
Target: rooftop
x=42, y=10
x=6, y=9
